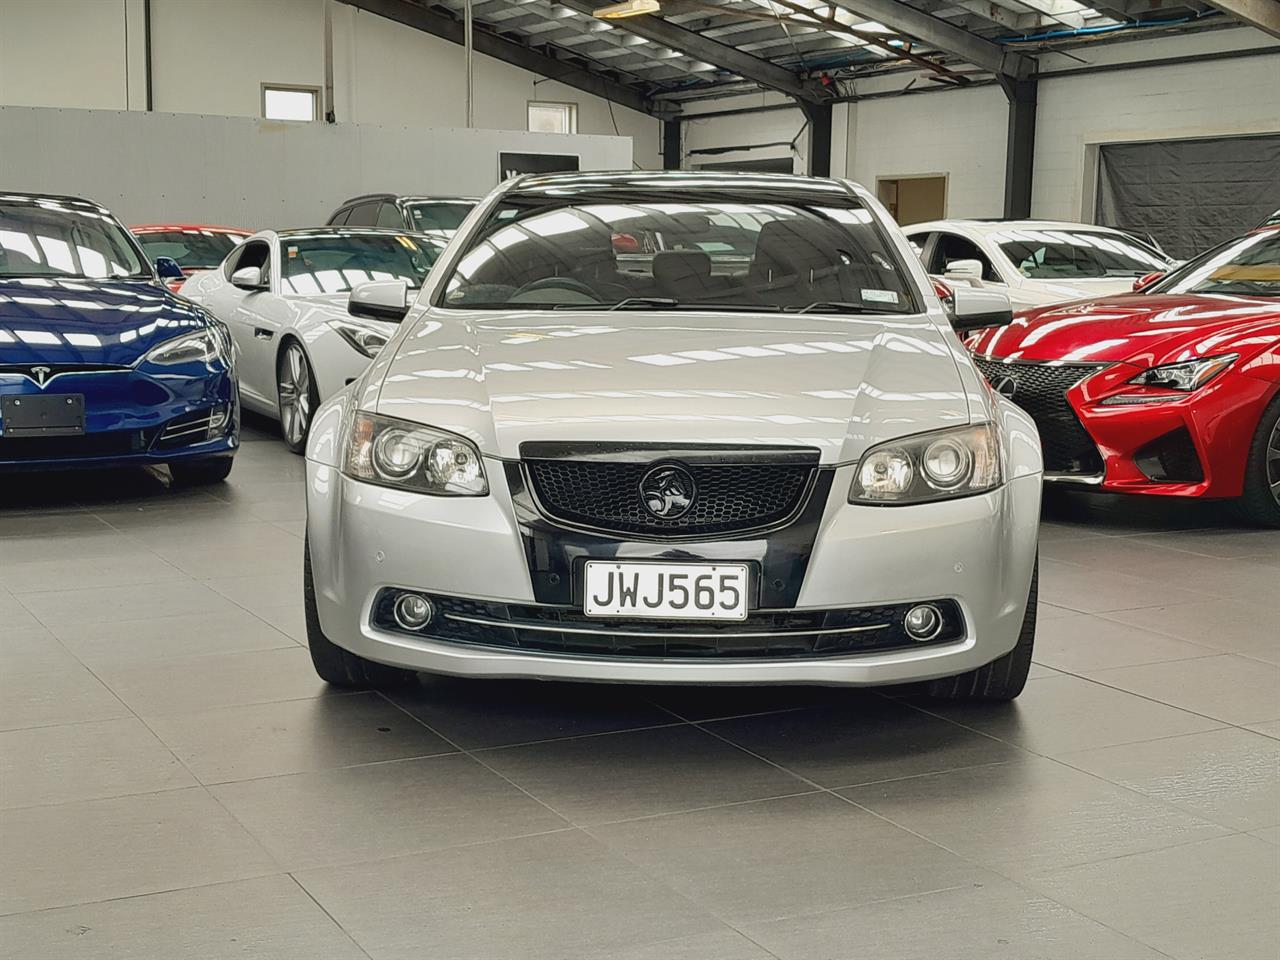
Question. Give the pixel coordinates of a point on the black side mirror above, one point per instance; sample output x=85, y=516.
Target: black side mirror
x=168, y=268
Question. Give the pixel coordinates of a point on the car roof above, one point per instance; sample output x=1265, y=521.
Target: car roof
x=1003, y=226
x=163, y=227
x=762, y=187
x=63, y=199
x=406, y=198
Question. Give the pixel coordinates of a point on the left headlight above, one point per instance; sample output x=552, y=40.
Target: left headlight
x=202, y=346
x=409, y=456
x=364, y=339
x=942, y=465
x=1186, y=376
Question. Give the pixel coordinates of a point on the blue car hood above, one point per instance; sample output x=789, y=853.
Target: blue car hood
x=89, y=321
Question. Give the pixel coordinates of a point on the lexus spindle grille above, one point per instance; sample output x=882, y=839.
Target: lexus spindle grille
x=1041, y=390
x=730, y=498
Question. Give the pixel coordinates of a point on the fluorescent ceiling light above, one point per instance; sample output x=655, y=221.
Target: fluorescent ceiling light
x=628, y=8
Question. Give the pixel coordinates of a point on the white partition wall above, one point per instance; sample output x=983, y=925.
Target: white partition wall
x=240, y=171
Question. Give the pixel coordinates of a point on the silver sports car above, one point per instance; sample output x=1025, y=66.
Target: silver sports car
x=676, y=428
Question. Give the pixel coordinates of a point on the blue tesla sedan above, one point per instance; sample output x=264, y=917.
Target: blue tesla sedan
x=100, y=364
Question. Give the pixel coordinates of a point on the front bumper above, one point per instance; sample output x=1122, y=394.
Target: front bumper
x=1196, y=446
x=132, y=416
x=977, y=551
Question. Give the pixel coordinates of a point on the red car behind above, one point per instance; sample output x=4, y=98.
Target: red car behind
x=1174, y=390
x=195, y=246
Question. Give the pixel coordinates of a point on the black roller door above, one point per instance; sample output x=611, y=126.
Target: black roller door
x=1189, y=194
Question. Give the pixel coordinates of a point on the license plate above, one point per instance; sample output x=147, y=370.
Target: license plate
x=666, y=591
x=42, y=415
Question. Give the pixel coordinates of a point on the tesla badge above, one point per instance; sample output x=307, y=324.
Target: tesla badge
x=41, y=374
x=667, y=492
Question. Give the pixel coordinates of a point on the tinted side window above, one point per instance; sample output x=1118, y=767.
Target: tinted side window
x=918, y=242
x=254, y=254
x=339, y=218
x=364, y=215
x=951, y=247
x=389, y=216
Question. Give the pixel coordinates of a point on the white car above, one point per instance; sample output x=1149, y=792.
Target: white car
x=284, y=295
x=679, y=466
x=1036, y=262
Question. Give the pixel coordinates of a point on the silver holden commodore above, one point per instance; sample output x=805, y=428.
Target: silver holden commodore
x=675, y=428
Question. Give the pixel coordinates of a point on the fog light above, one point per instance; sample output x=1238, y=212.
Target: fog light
x=922, y=622
x=413, y=612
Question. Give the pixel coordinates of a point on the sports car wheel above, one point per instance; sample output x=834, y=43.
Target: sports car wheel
x=190, y=473
x=1261, y=500
x=1001, y=679
x=298, y=396
x=337, y=666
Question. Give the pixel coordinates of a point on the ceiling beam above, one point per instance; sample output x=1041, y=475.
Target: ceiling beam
x=1263, y=14
x=695, y=45
x=911, y=22
x=491, y=45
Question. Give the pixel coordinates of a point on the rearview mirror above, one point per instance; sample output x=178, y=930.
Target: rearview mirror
x=964, y=270
x=380, y=300
x=168, y=268
x=973, y=309
x=1143, y=282
x=248, y=278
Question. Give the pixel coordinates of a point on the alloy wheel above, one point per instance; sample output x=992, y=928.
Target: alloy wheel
x=294, y=380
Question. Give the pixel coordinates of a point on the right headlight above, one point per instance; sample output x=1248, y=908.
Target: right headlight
x=409, y=456
x=942, y=465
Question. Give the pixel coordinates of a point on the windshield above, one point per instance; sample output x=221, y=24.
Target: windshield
x=439, y=214
x=334, y=263
x=47, y=239
x=1077, y=254
x=193, y=249
x=543, y=254
x=1246, y=267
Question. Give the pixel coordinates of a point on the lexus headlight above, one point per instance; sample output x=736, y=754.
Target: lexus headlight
x=396, y=453
x=365, y=339
x=1186, y=376
x=202, y=346
x=942, y=465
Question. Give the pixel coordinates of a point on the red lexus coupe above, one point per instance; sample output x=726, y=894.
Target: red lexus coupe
x=1172, y=390
x=195, y=246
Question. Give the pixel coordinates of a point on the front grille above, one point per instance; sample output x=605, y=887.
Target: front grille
x=731, y=497
x=52, y=370
x=108, y=443
x=1041, y=390
x=777, y=635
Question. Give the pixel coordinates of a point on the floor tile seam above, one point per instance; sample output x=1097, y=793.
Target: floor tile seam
x=1173, y=706
x=580, y=736
x=139, y=896
x=332, y=919
x=332, y=769
x=131, y=794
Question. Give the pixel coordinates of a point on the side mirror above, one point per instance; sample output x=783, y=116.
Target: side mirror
x=248, y=278
x=964, y=270
x=380, y=300
x=973, y=309
x=168, y=268
x=1143, y=282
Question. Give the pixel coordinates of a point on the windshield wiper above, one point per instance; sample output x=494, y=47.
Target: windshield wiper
x=630, y=303
x=837, y=306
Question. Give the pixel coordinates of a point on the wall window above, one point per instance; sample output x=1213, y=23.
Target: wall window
x=553, y=117
x=289, y=103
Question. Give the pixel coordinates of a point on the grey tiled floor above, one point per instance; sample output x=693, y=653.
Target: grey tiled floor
x=175, y=782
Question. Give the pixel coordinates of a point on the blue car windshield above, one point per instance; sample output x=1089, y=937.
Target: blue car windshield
x=45, y=238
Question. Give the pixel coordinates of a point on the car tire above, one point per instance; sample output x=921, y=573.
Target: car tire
x=1003, y=679
x=297, y=395
x=337, y=666
x=193, y=473
x=1260, y=502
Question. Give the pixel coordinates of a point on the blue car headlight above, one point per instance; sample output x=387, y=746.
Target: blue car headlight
x=202, y=346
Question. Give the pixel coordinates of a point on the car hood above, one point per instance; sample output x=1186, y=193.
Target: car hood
x=836, y=384
x=89, y=321
x=1036, y=292
x=1142, y=329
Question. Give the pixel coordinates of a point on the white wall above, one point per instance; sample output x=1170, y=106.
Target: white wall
x=149, y=167
x=745, y=130
x=958, y=133
x=212, y=56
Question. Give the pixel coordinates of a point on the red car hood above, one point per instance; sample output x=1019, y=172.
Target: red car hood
x=1140, y=329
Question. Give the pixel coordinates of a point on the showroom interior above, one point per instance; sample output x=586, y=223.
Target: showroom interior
x=233, y=724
